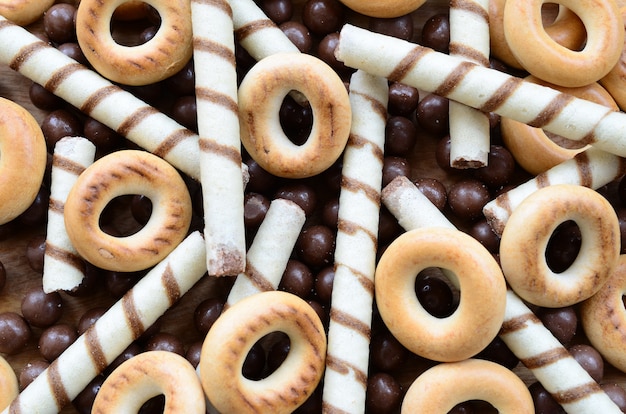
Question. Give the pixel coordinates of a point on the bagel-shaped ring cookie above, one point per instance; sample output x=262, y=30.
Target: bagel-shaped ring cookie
x=544, y=58
x=24, y=12
x=128, y=172
x=566, y=29
x=159, y=58
x=148, y=375
x=232, y=336
x=615, y=80
x=9, y=388
x=23, y=160
x=383, y=9
x=438, y=389
x=480, y=312
x=261, y=94
x=603, y=317
x=532, y=148
x=528, y=231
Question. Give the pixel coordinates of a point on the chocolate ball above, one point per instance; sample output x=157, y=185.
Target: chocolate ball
x=400, y=27
x=165, y=341
x=56, y=339
x=432, y=114
x=400, y=136
x=403, y=99
x=14, y=333
x=299, y=35
x=436, y=32
x=467, y=198
x=297, y=279
x=562, y=322
x=323, y=16
x=383, y=395
x=59, y=22
x=315, y=246
x=42, y=309
x=31, y=370
x=206, y=313
x=590, y=359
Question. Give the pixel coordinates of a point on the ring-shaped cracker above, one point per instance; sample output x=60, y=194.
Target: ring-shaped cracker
x=160, y=57
x=528, y=231
x=24, y=12
x=9, y=388
x=148, y=375
x=480, y=312
x=440, y=388
x=235, y=332
x=128, y=172
x=383, y=9
x=23, y=160
x=261, y=94
x=544, y=58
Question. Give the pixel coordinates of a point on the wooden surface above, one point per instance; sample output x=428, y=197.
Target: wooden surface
x=177, y=320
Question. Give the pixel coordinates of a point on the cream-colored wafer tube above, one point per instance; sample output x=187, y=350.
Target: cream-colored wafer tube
x=482, y=88
x=63, y=268
x=99, y=98
x=355, y=252
x=469, y=127
x=555, y=368
x=591, y=168
x=522, y=331
x=107, y=338
x=270, y=250
x=218, y=127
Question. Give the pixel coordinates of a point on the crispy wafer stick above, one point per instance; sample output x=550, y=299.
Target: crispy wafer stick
x=99, y=98
x=63, y=268
x=269, y=253
x=349, y=329
x=591, y=168
x=482, y=88
x=218, y=127
x=469, y=39
x=522, y=331
x=107, y=338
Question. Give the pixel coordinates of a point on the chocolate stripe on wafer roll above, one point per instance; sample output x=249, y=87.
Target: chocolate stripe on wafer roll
x=522, y=331
x=469, y=127
x=270, y=250
x=63, y=268
x=99, y=98
x=482, y=88
x=591, y=168
x=218, y=127
x=107, y=338
x=570, y=385
x=345, y=378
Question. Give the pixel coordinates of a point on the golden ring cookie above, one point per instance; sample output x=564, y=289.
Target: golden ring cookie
x=9, y=388
x=24, y=12
x=614, y=80
x=383, y=9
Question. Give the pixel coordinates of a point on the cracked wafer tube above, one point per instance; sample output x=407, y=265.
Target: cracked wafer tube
x=482, y=88
x=349, y=329
x=63, y=268
x=99, y=98
x=530, y=341
x=591, y=168
x=218, y=127
x=469, y=127
x=117, y=328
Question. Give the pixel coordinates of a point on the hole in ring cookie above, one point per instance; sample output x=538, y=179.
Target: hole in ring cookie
x=436, y=293
x=126, y=173
x=563, y=246
x=125, y=215
x=134, y=23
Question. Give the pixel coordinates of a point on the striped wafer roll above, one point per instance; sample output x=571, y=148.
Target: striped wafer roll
x=99, y=98
x=522, y=331
x=345, y=379
x=482, y=88
x=218, y=127
x=469, y=39
x=63, y=268
x=570, y=385
x=269, y=253
x=107, y=338
x=591, y=168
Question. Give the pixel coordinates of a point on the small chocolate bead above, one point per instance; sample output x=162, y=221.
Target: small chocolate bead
x=182, y=82
x=296, y=120
x=313, y=404
x=43, y=98
x=590, y=359
x=31, y=370
x=131, y=350
x=184, y=111
x=482, y=231
x=442, y=154
x=436, y=32
x=403, y=99
x=388, y=226
x=90, y=284
x=299, y=35
x=497, y=351
x=103, y=137
x=150, y=93
x=277, y=352
x=206, y=313
x=118, y=283
x=432, y=114
x=499, y=169
x=434, y=190
x=326, y=51
x=35, y=250
x=164, y=341
x=73, y=50
x=279, y=11
x=383, y=395
x=543, y=401
x=59, y=22
x=386, y=352
x=3, y=277
x=14, y=333
x=400, y=136
x=255, y=206
x=321, y=311
x=395, y=167
x=324, y=283
x=323, y=16
x=563, y=246
x=435, y=296
x=260, y=180
x=84, y=400
x=302, y=194
x=330, y=212
x=89, y=318
x=400, y=27
x=616, y=393
x=254, y=363
x=194, y=352
x=297, y=279
x=37, y=213
x=147, y=34
x=315, y=246
x=42, y=309
x=60, y=124
x=56, y=339
x=561, y=322
x=467, y=198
